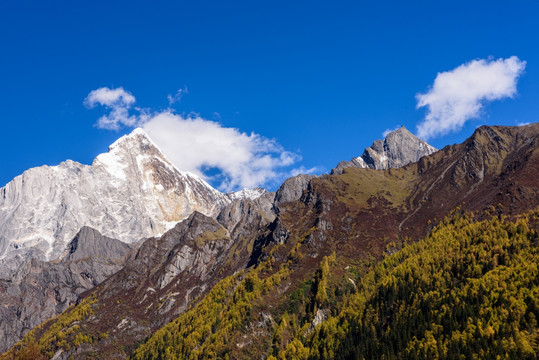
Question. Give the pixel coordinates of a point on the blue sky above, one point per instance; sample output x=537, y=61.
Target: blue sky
x=320, y=80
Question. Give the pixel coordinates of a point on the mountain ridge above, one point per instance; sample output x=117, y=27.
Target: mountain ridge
x=356, y=217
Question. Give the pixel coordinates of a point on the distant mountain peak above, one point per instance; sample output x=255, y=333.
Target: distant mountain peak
x=137, y=134
x=400, y=147
x=247, y=193
x=399, y=130
x=401, y=133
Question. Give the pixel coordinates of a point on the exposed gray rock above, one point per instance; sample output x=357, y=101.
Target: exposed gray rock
x=320, y=317
x=41, y=290
x=399, y=148
x=163, y=277
x=280, y=233
x=292, y=189
x=240, y=216
x=90, y=244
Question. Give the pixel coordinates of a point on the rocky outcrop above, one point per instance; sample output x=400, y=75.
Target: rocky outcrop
x=399, y=148
x=160, y=280
x=292, y=189
x=90, y=244
x=242, y=217
x=41, y=290
x=130, y=193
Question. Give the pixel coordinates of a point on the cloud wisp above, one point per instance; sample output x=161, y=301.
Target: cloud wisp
x=458, y=95
x=177, y=97
x=118, y=101
x=222, y=155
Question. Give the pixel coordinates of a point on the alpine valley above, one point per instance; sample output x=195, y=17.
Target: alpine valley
x=404, y=252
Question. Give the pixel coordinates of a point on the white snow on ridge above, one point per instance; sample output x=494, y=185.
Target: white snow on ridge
x=112, y=163
x=361, y=162
x=247, y=194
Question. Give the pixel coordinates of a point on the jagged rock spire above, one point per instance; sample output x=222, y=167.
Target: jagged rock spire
x=400, y=147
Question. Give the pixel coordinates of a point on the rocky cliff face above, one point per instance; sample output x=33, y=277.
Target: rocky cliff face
x=158, y=281
x=399, y=148
x=166, y=275
x=291, y=189
x=131, y=192
x=41, y=290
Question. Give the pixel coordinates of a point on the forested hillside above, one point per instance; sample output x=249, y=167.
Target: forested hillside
x=469, y=290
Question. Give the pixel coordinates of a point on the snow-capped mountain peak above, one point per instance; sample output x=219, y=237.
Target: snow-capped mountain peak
x=131, y=192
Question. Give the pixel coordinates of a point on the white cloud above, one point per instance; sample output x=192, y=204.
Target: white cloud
x=196, y=144
x=109, y=97
x=199, y=145
x=118, y=101
x=304, y=170
x=523, y=123
x=458, y=95
x=177, y=97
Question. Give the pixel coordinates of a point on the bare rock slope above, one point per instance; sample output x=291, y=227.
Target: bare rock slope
x=41, y=290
